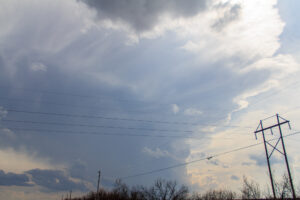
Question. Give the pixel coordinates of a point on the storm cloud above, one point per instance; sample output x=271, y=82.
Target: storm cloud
x=10, y=179
x=142, y=15
x=200, y=66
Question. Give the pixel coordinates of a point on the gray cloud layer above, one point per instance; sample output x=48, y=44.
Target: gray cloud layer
x=53, y=180
x=10, y=179
x=260, y=160
x=142, y=15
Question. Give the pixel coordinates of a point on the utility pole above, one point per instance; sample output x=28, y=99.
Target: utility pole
x=70, y=194
x=99, y=173
x=274, y=147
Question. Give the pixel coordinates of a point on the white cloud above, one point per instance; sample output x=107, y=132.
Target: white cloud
x=7, y=133
x=192, y=112
x=249, y=39
x=175, y=108
x=38, y=67
x=23, y=160
x=157, y=153
x=281, y=65
x=208, y=129
x=3, y=113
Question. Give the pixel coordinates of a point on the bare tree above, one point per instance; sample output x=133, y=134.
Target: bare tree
x=215, y=195
x=138, y=193
x=121, y=189
x=283, y=188
x=166, y=190
x=267, y=193
x=250, y=190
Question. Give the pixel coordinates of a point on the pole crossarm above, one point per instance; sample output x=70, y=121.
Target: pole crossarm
x=270, y=127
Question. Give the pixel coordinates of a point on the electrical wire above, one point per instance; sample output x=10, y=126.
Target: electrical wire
x=68, y=105
x=268, y=117
x=115, y=134
x=100, y=133
x=291, y=110
x=122, y=119
x=96, y=126
x=78, y=95
x=274, y=93
x=102, y=108
x=205, y=158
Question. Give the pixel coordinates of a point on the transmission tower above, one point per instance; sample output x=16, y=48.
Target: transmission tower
x=280, y=121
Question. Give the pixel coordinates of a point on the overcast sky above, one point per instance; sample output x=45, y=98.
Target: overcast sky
x=128, y=87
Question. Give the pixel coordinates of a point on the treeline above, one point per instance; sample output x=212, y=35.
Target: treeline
x=170, y=190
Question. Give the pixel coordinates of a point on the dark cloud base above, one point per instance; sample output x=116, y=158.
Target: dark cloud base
x=51, y=180
x=12, y=179
x=55, y=180
x=142, y=15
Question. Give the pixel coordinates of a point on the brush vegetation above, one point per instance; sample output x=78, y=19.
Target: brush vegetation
x=170, y=190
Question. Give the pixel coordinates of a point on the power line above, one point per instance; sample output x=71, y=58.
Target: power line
x=163, y=169
x=268, y=117
x=100, y=108
x=291, y=110
x=190, y=162
x=120, y=119
x=112, y=127
x=99, y=117
x=274, y=93
x=114, y=134
x=77, y=95
x=100, y=133
x=205, y=158
x=96, y=126
x=67, y=105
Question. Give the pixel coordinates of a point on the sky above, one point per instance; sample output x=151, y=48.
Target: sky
x=131, y=87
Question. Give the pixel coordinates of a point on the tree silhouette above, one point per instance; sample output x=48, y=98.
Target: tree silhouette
x=250, y=190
